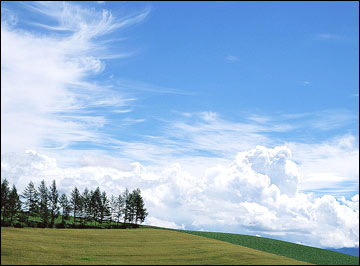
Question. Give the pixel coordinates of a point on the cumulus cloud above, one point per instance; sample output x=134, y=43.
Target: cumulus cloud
x=256, y=194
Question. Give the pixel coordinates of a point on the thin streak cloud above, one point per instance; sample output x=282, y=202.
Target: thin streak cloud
x=47, y=77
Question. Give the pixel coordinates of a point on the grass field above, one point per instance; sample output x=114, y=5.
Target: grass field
x=287, y=249
x=130, y=246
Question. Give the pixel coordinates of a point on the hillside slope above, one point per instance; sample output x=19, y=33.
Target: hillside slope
x=135, y=246
x=282, y=248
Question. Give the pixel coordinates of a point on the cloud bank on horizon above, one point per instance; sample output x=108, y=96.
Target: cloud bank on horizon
x=68, y=113
x=256, y=194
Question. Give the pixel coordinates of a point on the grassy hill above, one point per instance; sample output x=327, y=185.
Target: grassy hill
x=148, y=246
x=128, y=246
x=282, y=248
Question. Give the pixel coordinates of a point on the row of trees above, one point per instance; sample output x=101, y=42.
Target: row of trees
x=89, y=206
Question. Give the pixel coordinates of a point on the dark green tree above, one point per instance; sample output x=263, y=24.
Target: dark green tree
x=140, y=211
x=53, y=200
x=66, y=208
x=5, y=191
x=86, y=202
x=95, y=204
x=31, y=200
x=104, y=207
x=75, y=202
x=43, y=203
x=14, y=203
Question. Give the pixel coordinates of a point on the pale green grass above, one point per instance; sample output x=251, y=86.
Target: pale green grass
x=136, y=246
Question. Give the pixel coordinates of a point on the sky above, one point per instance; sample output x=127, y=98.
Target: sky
x=236, y=117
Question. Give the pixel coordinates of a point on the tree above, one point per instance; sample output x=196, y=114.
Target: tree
x=140, y=211
x=130, y=207
x=54, y=207
x=104, y=207
x=14, y=203
x=66, y=208
x=44, y=203
x=119, y=208
x=31, y=200
x=126, y=205
x=86, y=200
x=95, y=204
x=75, y=202
x=5, y=191
x=113, y=204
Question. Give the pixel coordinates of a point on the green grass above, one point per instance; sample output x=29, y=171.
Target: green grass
x=130, y=246
x=282, y=248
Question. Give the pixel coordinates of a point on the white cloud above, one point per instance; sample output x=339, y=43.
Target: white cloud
x=328, y=167
x=145, y=87
x=208, y=132
x=157, y=222
x=255, y=194
x=231, y=58
x=45, y=95
x=331, y=119
x=304, y=83
x=328, y=36
x=275, y=164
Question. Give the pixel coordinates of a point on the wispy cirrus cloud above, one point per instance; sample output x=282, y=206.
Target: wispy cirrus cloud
x=304, y=83
x=85, y=23
x=206, y=138
x=329, y=37
x=231, y=58
x=47, y=99
x=328, y=167
x=132, y=85
x=210, y=132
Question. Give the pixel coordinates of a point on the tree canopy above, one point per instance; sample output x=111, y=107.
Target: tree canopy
x=45, y=204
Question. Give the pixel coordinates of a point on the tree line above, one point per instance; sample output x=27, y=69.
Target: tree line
x=88, y=207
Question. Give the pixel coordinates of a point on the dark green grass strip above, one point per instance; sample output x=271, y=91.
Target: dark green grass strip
x=282, y=248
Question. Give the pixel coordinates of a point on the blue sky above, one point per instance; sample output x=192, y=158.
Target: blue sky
x=182, y=88
x=281, y=50
x=237, y=59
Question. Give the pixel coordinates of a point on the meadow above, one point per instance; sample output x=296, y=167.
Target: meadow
x=125, y=246
x=283, y=248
